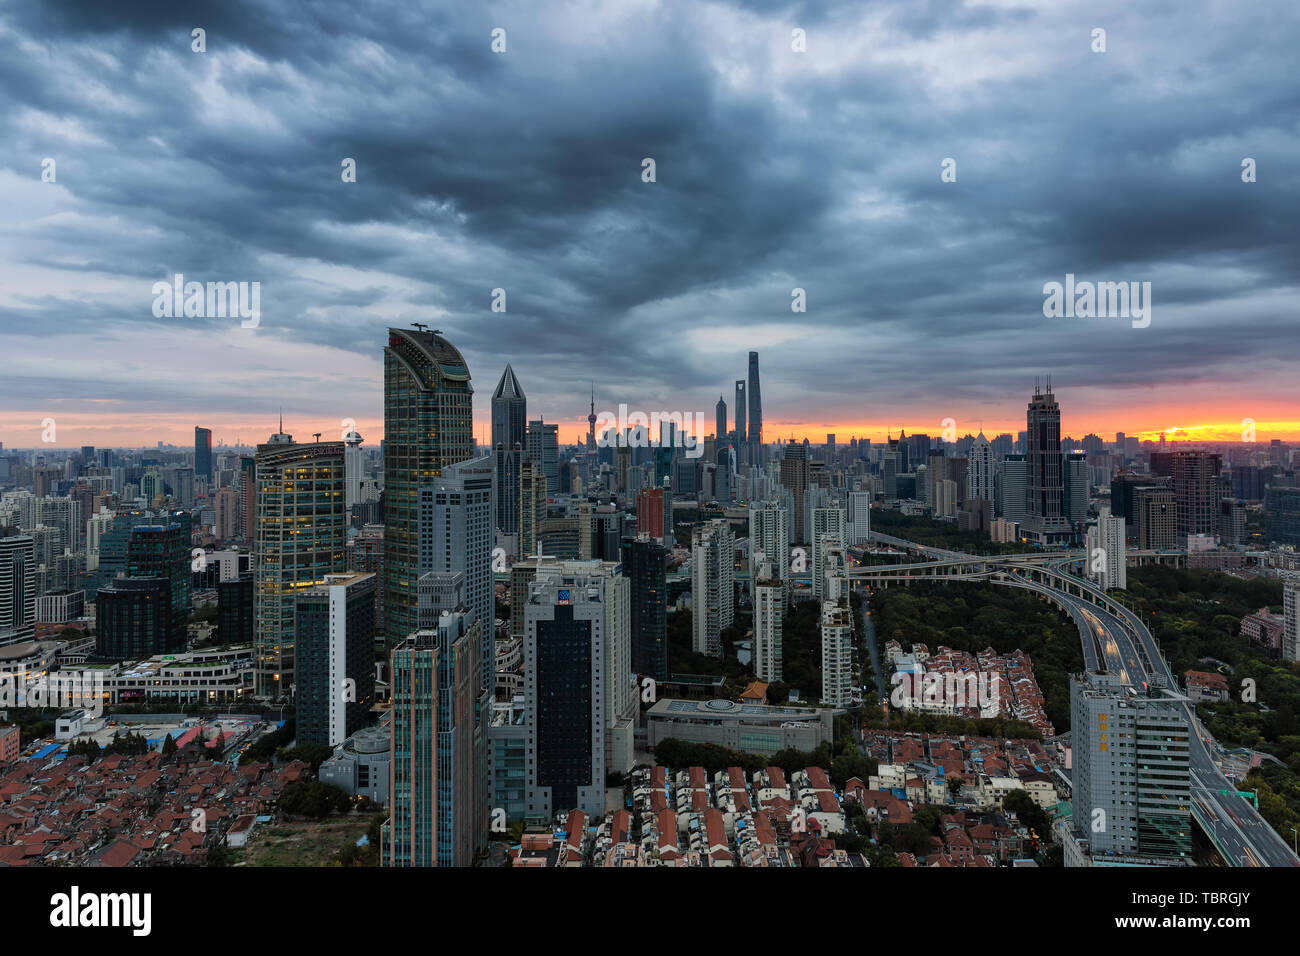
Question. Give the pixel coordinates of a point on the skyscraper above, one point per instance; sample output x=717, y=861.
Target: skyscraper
x=235, y=614
x=980, y=470
x=411, y=835
x=1013, y=488
x=827, y=527
x=1046, y=518
x=654, y=515
x=354, y=468
x=712, y=585
x=859, y=514
x=1105, y=564
x=755, y=414
x=163, y=551
x=438, y=750
x=334, y=656
x=720, y=426
x=532, y=506
x=1077, y=487
x=794, y=479
x=509, y=440
x=300, y=537
x=769, y=615
x=837, y=653
x=1196, y=475
x=769, y=539
x=134, y=620
x=580, y=706
x=225, y=520
x=742, y=436
x=1291, y=628
x=456, y=536
x=428, y=425
x=203, y=453
x=17, y=589
x=1131, y=772
x=645, y=564
x=247, y=497
x=1157, y=519
x=544, y=450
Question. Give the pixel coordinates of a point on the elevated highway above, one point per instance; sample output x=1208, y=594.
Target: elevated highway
x=1115, y=641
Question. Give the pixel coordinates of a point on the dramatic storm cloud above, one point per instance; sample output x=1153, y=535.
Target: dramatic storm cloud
x=776, y=168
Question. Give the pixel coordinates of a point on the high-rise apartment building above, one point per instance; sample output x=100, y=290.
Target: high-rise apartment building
x=428, y=425
x=300, y=537
x=837, y=654
x=225, y=520
x=1291, y=629
x=1195, y=484
x=828, y=526
x=1105, y=564
x=334, y=652
x=532, y=506
x=980, y=469
x=769, y=617
x=794, y=479
x=455, y=535
x=859, y=515
x=17, y=589
x=247, y=497
x=1157, y=519
x=769, y=539
x=712, y=585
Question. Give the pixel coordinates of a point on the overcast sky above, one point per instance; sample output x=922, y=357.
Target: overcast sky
x=776, y=169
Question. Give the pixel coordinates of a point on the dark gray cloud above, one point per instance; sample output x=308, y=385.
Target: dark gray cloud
x=776, y=170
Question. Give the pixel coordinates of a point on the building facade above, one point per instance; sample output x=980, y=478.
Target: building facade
x=428, y=426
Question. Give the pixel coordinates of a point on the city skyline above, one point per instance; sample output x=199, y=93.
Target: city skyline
x=776, y=171
x=253, y=431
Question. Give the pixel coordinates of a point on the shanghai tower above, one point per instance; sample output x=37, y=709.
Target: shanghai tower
x=755, y=413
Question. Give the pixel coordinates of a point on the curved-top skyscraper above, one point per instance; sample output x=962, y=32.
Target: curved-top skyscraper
x=755, y=413
x=428, y=425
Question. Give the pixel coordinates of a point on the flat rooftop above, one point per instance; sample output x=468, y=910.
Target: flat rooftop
x=730, y=710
